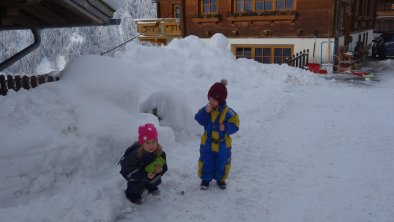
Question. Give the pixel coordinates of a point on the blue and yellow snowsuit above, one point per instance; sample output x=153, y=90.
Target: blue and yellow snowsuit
x=215, y=147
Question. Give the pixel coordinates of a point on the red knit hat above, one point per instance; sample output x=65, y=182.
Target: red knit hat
x=147, y=132
x=218, y=91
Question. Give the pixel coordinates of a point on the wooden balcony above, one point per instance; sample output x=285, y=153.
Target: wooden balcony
x=158, y=30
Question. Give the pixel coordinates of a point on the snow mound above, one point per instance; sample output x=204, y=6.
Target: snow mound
x=172, y=110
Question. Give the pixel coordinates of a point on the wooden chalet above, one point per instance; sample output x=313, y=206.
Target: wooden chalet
x=270, y=31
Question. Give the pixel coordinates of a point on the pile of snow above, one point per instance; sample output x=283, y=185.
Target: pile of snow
x=60, y=142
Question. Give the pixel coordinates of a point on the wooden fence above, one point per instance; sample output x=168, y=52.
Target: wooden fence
x=299, y=60
x=26, y=82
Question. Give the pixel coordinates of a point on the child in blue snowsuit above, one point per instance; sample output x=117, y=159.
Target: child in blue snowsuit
x=219, y=122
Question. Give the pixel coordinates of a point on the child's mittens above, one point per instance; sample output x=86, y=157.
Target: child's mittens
x=151, y=168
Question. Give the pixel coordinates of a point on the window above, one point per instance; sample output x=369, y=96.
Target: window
x=209, y=6
x=284, y=4
x=267, y=56
x=258, y=55
x=175, y=11
x=264, y=53
x=280, y=55
x=243, y=5
x=244, y=53
x=263, y=5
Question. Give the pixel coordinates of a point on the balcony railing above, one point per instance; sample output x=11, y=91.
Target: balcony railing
x=159, y=28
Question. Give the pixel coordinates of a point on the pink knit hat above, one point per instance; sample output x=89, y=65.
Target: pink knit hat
x=147, y=132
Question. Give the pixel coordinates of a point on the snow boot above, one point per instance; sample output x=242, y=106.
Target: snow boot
x=221, y=185
x=154, y=192
x=134, y=198
x=204, y=185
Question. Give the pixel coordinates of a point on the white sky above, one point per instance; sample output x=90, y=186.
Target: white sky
x=308, y=149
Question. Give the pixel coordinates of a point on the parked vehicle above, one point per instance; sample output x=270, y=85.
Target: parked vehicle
x=383, y=46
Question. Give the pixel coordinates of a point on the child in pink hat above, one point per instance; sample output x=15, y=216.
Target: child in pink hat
x=143, y=164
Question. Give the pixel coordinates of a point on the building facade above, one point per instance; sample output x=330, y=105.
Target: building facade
x=269, y=31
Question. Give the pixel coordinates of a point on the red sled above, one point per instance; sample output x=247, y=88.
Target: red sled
x=359, y=73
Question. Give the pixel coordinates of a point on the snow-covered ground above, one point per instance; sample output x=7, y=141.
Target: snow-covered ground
x=308, y=149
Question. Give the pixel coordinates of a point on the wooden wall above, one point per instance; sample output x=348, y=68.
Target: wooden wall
x=363, y=14
x=312, y=17
x=165, y=8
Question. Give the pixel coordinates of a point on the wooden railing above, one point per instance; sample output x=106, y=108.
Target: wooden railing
x=158, y=31
x=159, y=27
x=25, y=82
x=299, y=60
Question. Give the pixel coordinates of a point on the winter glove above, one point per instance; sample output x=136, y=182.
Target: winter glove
x=151, y=168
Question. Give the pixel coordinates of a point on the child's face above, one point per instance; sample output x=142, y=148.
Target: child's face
x=213, y=102
x=150, y=146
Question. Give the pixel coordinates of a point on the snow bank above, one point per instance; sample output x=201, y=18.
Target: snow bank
x=60, y=142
